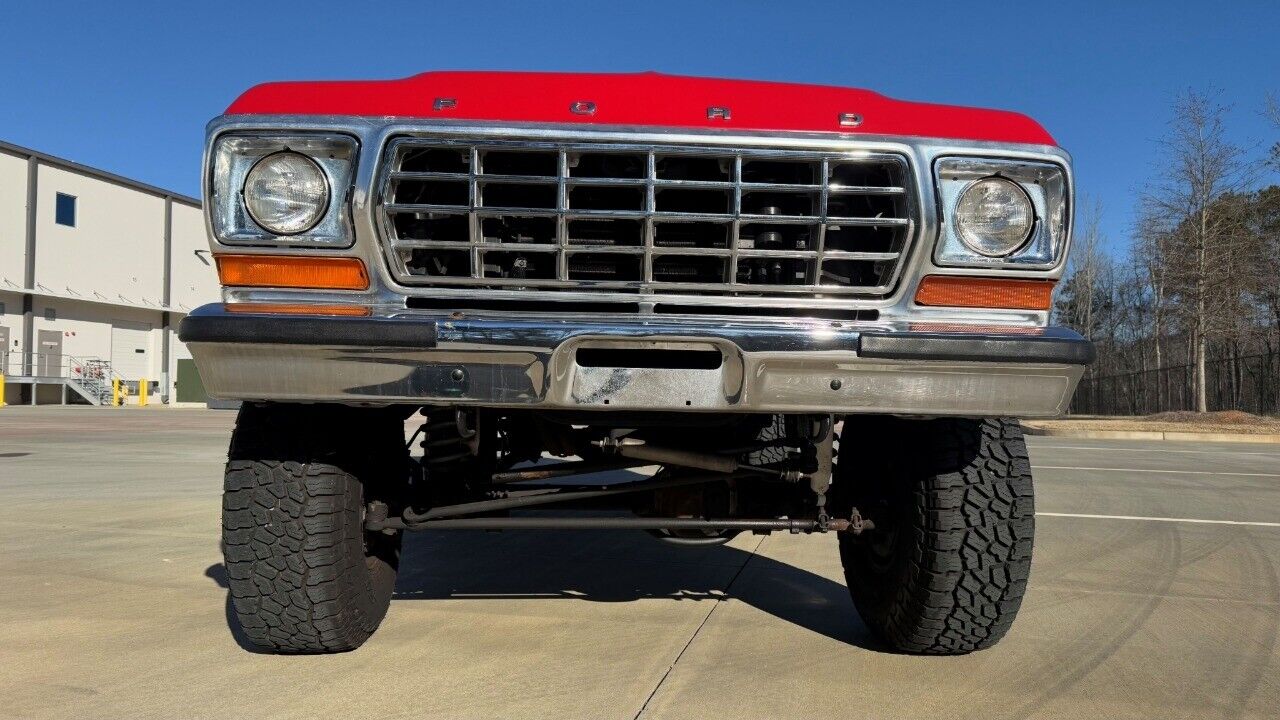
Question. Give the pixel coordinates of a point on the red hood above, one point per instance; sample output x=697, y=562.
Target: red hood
x=638, y=99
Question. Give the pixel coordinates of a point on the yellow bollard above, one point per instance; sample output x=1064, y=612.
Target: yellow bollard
x=143, y=388
x=1, y=389
x=115, y=392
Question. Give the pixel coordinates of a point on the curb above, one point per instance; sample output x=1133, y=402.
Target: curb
x=1173, y=436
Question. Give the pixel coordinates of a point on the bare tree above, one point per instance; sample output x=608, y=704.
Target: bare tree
x=1189, y=209
x=1078, y=301
x=1271, y=108
x=1266, y=223
x=1199, y=284
x=1151, y=256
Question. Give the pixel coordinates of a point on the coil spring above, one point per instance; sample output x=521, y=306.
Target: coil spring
x=443, y=446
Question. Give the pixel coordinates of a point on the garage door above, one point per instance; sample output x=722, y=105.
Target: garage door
x=131, y=350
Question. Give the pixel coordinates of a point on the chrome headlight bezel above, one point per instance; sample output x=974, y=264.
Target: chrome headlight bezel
x=1043, y=183
x=232, y=158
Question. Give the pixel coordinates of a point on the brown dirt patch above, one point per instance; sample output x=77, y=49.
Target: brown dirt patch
x=1223, y=417
x=1229, y=421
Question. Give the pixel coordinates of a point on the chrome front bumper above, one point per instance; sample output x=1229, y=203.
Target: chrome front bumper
x=533, y=361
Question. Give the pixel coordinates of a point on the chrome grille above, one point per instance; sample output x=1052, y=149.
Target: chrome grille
x=645, y=219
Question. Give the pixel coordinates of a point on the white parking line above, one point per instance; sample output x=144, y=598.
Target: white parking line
x=1158, y=519
x=1159, y=450
x=1146, y=470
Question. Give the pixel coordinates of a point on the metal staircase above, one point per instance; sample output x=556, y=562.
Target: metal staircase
x=89, y=378
x=92, y=379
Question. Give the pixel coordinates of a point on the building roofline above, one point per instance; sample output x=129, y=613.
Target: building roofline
x=41, y=292
x=55, y=161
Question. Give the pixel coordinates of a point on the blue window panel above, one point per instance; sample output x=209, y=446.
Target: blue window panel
x=65, y=210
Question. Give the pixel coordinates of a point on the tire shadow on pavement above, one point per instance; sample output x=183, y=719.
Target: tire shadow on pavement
x=608, y=567
x=622, y=567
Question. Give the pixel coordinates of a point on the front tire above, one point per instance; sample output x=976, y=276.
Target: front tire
x=945, y=569
x=304, y=575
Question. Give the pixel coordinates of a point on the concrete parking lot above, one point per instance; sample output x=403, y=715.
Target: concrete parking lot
x=113, y=601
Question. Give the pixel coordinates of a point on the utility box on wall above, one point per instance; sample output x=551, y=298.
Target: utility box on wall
x=190, y=387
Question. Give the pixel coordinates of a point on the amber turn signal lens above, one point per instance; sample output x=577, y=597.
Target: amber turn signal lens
x=288, y=271
x=298, y=309
x=967, y=292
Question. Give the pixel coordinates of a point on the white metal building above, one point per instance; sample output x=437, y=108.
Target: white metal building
x=96, y=271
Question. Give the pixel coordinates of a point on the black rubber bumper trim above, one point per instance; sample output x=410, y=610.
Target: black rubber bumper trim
x=1059, y=349
x=308, y=330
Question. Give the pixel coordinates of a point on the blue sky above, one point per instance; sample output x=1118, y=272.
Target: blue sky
x=128, y=86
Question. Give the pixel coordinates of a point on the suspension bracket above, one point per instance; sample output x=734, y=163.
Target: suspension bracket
x=855, y=525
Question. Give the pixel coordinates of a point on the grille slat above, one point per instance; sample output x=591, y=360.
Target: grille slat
x=645, y=219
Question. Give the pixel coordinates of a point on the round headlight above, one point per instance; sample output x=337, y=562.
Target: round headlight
x=994, y=217
x=286, y=193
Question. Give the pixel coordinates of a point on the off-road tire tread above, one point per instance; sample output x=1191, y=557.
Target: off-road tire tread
x=775, y=429
x=972, y=520
x=300, y=580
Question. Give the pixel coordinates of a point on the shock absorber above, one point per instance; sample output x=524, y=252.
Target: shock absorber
x=822, y=435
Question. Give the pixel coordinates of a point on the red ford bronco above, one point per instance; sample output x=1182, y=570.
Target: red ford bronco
x=542, y=279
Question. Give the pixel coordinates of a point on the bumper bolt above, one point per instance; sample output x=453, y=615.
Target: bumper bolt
x=835, y=383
